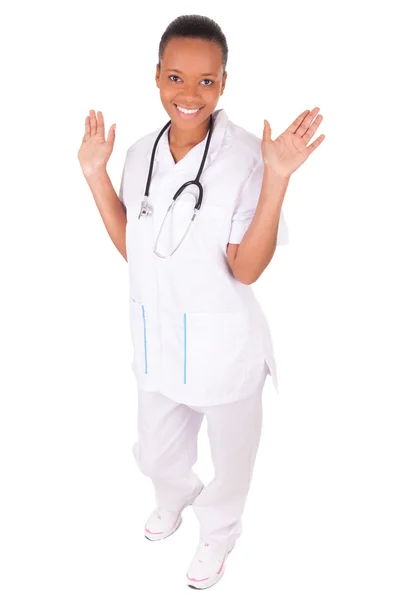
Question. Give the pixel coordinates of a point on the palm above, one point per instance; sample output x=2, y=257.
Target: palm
x=289, y=151
x=95, y=150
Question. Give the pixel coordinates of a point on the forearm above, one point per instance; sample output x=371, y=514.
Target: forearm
x=111, y=209
x=259, y=242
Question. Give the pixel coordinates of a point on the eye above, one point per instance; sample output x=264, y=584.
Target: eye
x=173, y=76
x=209, y=80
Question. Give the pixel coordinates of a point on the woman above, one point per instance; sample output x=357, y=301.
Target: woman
x=202, y=343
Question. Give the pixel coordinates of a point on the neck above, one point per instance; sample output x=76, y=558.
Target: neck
x=179, y=138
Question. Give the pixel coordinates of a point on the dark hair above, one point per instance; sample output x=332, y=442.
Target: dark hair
x=198, y=27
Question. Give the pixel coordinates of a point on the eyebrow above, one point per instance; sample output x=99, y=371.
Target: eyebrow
x=202, y=74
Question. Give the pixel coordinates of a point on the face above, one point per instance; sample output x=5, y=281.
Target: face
x=191, y=77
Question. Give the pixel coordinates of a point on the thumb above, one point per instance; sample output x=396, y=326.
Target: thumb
x=267, y=130
x=111, y=134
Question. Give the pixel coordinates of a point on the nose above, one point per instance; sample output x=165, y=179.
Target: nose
x=190, y=92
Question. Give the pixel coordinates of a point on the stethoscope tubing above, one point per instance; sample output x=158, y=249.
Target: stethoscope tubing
x=196, y=182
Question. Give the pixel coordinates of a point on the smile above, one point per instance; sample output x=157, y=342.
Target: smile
x=188, y=111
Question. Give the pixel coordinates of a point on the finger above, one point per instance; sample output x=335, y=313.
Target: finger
x=293, y=127
x=315, y=144
x=93, y=122
x=87, y=128
x=100, y=123
x=307, y=121
x=312, y=129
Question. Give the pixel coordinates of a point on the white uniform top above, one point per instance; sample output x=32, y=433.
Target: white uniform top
x=199, y=335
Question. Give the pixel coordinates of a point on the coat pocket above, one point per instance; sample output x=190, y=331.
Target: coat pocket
x=137, y=318
x=215, y=351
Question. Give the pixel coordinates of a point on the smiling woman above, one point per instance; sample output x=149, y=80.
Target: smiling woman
x=202, y=344
x=191, y=76
x=206, y=349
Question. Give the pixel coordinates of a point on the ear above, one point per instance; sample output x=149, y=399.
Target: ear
x=223, y=83
x=157, y=75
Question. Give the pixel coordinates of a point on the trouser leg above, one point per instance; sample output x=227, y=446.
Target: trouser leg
x=166, y=448
x=234, y=432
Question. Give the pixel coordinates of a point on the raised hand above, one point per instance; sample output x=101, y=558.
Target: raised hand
x=284, y=155
x=95, y=150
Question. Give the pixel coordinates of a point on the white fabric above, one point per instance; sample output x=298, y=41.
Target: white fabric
x=166, y=451
x=199, y=335
x=162, y=523
x=246, y=207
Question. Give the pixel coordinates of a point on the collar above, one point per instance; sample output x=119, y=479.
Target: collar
x=219, y=134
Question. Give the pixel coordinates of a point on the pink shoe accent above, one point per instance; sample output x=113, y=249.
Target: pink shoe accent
x=154, y=532
x=223, y=562
x=196, y=580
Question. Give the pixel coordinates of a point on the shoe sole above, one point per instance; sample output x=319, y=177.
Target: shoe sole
x=179, y=522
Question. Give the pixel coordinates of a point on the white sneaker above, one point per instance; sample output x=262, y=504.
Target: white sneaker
x=208, y=565
x=163, y=523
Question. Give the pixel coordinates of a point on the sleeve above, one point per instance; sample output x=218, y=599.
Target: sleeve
x=246, y=208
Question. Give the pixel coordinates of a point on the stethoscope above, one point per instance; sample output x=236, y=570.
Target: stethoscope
x=146, y=209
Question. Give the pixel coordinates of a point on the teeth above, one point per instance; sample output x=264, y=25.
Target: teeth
x=186, y=111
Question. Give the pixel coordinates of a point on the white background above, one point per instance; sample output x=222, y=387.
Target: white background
x=322, y=519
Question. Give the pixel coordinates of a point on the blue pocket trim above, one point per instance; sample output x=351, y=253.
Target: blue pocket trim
x=145, y=338
x=184, y=348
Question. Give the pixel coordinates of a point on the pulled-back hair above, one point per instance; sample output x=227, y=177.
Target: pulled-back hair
x=198, y=27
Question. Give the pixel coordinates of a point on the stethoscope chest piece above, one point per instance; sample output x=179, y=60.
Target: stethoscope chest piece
x=146, y=210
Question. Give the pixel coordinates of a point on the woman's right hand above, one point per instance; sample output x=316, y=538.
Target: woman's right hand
x=95, y=150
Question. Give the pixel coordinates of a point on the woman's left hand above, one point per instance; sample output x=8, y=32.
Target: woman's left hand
x=284, y=155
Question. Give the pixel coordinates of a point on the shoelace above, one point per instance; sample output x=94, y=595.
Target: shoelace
x=160, y=513
x=206, y=551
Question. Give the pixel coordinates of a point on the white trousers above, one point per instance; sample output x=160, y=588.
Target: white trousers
x=166, y=450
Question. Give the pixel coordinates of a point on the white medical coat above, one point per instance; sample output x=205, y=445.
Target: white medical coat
x=199, y=335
